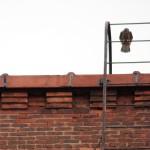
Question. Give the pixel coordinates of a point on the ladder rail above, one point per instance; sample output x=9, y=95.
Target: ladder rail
x=107, y=29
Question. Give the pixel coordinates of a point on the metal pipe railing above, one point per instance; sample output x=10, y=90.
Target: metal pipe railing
x=107, y=27
x=133, y=23
x=128, y=62
x=132, y=41
x=110, y=63
x=108, y=44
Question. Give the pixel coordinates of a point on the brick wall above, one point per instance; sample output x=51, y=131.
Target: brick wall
x=70, y=118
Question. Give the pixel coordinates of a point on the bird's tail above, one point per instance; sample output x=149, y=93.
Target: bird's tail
x=125, y=48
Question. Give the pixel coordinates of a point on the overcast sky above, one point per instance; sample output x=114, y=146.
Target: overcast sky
x=54, y=37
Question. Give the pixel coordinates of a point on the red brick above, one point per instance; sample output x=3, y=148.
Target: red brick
x=142, y=92
x=142, y=98
x=58, y=105
x=9, y=147
x=18, y=134
x=36, y=99
x=59, y=99
x=15, y=142
x=58, y=94
x=26, y=146
x=99, y=92
x=14, y=94
x=142, y=104
x=14, y=106
x=14, y=100
x=27, y=120
x=37, y=104
x=109, y=98
x=3, y=142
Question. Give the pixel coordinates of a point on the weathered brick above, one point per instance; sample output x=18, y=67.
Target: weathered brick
x=26, y=146
x=59, y=99
x=14, y=94
x=58, y=105
x=18, y=134
x=142, y=98
x=14, y=100
x=58, y=94
x=8, y=147
x=27, y=120
x=71, y=141
x=16, y=142
x=2, y=142
x=14, y=106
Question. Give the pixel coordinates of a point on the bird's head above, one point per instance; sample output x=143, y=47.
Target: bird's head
x=126, y=30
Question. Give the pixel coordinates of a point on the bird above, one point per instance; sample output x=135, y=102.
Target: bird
x=126, y=39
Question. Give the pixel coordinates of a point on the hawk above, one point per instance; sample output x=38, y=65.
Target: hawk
x=126, y=39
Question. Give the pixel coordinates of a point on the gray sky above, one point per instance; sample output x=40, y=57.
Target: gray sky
x=48, y=37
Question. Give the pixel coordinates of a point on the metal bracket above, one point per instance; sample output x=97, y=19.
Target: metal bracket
x=136, y=77
x=70, y=76
x=101, y=81
x=4, y=79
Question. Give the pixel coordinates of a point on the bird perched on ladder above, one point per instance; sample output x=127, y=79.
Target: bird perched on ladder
x=126, y=39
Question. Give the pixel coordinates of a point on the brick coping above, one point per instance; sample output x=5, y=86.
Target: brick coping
x=72, y=80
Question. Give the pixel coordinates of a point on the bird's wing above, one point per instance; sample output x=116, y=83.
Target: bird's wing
x=121, y=37
x=129, y=36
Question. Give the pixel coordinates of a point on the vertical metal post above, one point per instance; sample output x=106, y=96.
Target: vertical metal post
x=104, y=85
x=110, y=49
